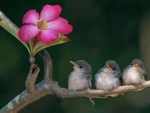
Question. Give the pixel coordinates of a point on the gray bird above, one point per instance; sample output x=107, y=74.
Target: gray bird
x=107, y=77
x=80, y=78
x=134, y=74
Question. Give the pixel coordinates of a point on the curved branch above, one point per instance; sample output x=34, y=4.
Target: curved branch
x=31, y=78
x=60, y=92
x=26, y=98
x=33, y=73
x=48, y=86
x=45, y=88
x=47, y=64
x=32, y=94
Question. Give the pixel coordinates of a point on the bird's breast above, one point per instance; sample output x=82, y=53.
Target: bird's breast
x=132, y=76
x=105, y=81
x=77, y=81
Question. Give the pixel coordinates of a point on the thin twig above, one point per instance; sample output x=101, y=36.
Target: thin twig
x=4, y=18
x=31, y=78
x=47, y=64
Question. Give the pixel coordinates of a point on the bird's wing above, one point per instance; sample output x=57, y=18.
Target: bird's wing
x=101, y=70
x=121, y=81
x=144, y=75
x=120, y=78
x=90, y=80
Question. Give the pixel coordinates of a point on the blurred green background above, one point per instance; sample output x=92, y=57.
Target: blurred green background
x=103, y=30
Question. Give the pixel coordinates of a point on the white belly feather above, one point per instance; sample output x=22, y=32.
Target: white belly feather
x=105, y=81
x=77, y=82
x=132, y=76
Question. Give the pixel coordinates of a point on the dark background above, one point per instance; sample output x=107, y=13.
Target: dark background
x=103, y=30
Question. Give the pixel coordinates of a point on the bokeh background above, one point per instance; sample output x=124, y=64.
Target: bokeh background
x=103, y=30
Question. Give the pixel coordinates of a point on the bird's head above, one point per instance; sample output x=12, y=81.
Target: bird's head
x=82, y=66
x=137, y=63
x=112, y=66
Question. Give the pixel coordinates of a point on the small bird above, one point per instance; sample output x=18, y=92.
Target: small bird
x=134, y=74
x=108, y=77
x=80, y=78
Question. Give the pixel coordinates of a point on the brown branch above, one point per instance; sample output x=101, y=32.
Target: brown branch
x=60, y=92
x=47, y=64
x=31, y=78
x=45, y=88
x=33, y=92
x=25, y=98
x=48, y=86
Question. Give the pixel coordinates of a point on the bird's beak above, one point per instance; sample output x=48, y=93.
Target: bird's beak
x=108, y=67
x=73, y=63
x=136, y=65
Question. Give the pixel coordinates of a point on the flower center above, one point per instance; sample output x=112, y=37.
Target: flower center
x=42, y=24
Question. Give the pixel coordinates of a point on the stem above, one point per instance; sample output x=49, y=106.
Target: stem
x=10, y=27
x=47, y=64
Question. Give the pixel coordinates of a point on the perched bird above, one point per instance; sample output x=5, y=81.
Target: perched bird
x=108, y=77
x=134, y=74
x=80, y=78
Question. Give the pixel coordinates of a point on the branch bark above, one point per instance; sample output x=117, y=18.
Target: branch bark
x=32, y=92
x=93, y=92
x=47, y=64
x=48, y=86
x=31, y=78
x=51, y=87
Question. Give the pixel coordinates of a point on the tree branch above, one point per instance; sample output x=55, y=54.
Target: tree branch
x=33, y=92
x=26, y=98
x=33, y=73
x=93, y=92
x=47, y=64
x=49, y=86
x=31, y=78
x=45, y=88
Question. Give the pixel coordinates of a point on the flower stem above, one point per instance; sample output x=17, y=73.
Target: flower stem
x=10, y=27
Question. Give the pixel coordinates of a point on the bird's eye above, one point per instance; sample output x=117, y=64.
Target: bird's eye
x=80, y=66
x=113, y=68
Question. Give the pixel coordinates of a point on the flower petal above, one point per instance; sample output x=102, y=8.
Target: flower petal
x=50, y=12
x=31, y=17
x=27, y=32
x=48, y=36
x=61, y=25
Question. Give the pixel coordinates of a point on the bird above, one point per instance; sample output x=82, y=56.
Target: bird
x=108, y=78
x=135, y=73
x=81, y=77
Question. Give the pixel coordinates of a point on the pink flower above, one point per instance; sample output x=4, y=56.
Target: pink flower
x=45, y=26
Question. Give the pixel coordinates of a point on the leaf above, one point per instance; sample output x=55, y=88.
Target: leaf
x=38, y=45
x=60, y=40
x=12, y=30
x=31, y=44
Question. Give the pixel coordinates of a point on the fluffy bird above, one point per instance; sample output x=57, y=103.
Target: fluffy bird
x=134, y=74
x=108, y=77
x=80, y=78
